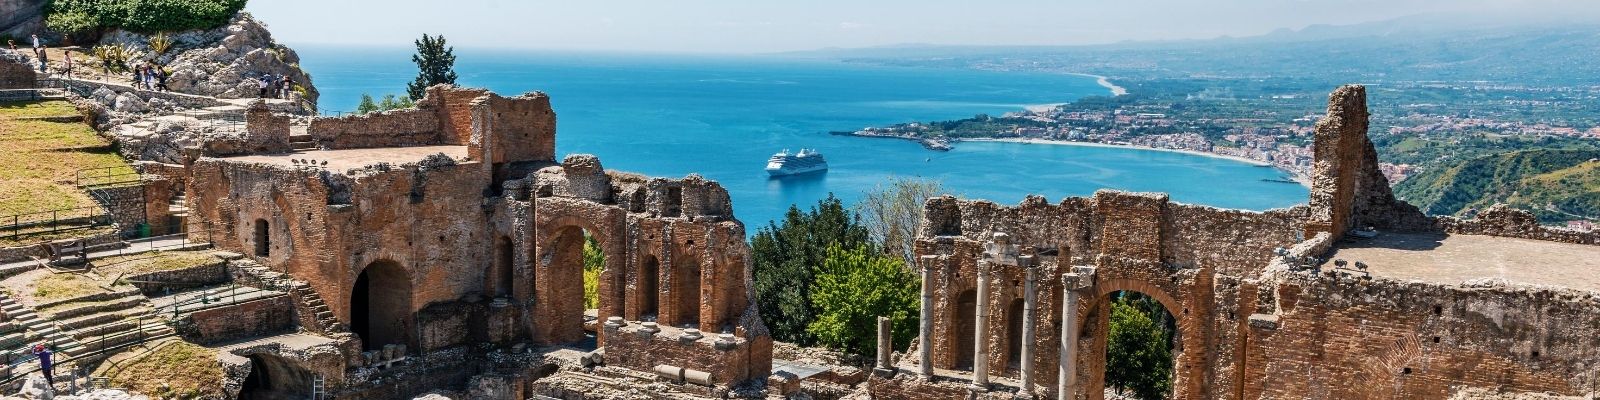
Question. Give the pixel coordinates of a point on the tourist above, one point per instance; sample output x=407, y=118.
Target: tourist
x=12, y=43
x=69, y=64
x=36, y=46
x=138, y=77
x=44, y=61
x=161, y=79
x=263, y=83
x=45, y=364
x=288, y=86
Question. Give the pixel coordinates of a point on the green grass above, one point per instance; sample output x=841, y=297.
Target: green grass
x=63, y=286
x=40, y=159
x=180, y=370
x=25, y=109
x=154, y=262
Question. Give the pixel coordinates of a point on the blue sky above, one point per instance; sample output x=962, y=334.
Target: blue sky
x=754, y=26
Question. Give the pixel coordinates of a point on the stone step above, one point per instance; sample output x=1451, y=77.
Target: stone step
x=302, y=145
x=300, y=138
x=81, y=322
x=112, y=305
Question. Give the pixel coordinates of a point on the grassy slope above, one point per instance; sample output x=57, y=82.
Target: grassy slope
x=39, y=159
x=180, y=370
x=1554, y=184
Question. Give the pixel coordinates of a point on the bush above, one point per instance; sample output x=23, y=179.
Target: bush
x=786, y=259
x=856, y=286
x=143, y=16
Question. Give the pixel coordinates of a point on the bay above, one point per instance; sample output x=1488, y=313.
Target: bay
x=723, y=116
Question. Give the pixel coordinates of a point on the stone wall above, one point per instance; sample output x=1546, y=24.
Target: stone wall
x=15, y=72
x=163, y=282
x=253, y=318
x=1351, y=338
x=409, y=127
x=1247, y=326
x=504, y=223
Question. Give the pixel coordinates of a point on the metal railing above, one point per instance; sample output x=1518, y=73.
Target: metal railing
x=53, y=222
x=157, y=238
x=105, y=176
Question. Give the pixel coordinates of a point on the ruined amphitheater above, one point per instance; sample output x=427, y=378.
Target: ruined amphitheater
x=441, y=248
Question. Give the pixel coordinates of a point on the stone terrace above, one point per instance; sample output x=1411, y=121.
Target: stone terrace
x=345, y=159
x=1452, y=259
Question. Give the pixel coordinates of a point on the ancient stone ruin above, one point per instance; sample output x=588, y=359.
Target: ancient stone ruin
x=1340, y=299
x=443, y=246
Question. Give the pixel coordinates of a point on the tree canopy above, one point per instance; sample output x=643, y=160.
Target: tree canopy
x=436, y=63
x=786, y=259
x=854, y=287
x=1139, y=347
x=893, y=212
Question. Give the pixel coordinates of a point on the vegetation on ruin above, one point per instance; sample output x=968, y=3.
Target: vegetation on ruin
x=594, y=261
x=785, y=259
x=85, y=19
x=38, y=168
x=390, y=102
x=1556, y=185
x=1139, y=347
x=436, y=64
x=155, y=262
x=176, y=370
x=854, y=287
x=892, y=212
x=64, y=286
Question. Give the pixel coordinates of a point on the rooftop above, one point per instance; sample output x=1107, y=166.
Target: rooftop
x=1453, y=259
x=345, y=159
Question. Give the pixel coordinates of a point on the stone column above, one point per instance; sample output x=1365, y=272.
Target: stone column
x=980, y=357
x=1028, y=303
x=925, y=331
x=885, y=344
x=1068, y=373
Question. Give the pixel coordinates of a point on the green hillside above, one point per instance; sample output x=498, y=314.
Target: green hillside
x=1556, y=185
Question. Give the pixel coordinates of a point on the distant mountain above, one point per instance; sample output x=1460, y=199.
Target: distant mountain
x=1556, y=185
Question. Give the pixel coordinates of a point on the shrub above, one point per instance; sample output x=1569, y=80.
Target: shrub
x=143, y=16
x=160, y=43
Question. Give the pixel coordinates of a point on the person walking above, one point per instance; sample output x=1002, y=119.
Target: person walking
x=263, y=82
x=69, y=64
x=45, y=364
x=161, y=79
x=36, y=44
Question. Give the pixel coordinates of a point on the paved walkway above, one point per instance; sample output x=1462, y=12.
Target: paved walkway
x=139, y=246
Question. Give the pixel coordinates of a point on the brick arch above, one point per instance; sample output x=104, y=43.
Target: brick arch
x=1174, y=297
x=558, y=306
x=380, y=305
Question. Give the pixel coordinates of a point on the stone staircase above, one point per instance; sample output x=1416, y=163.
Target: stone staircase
x=321, y=318
x=24, y=328
x=302, y=141
x=107, y=322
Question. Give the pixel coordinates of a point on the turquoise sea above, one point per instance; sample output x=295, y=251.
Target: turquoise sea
x=723, y=116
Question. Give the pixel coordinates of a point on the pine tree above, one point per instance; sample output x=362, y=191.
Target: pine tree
x=435, y=64
x=367, y=105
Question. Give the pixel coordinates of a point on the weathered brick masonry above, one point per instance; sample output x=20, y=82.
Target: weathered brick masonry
x=1259, y=314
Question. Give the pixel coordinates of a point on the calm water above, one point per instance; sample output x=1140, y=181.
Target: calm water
x=721, y=117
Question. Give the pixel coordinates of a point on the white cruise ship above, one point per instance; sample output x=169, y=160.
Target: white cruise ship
x=805, y=161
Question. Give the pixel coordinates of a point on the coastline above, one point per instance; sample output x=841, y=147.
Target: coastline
x=1298, y=179
x=1099, y=79
x=1105, y=82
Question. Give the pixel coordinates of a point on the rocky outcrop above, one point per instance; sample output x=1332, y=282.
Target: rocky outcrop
x=20, y=18
x=222, y=62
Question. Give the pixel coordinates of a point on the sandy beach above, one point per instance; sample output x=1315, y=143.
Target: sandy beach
x=1103, y=81
x=1298, y=179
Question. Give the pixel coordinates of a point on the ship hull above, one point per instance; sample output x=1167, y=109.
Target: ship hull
x=776, y=172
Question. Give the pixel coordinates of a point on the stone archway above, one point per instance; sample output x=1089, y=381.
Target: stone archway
x=649, y=288
x=380, y=306
x=1094, y=358
x=274, y=378
x=563, y=279
x=965, y=318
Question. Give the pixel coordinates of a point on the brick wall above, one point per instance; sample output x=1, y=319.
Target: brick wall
x=238, y=321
